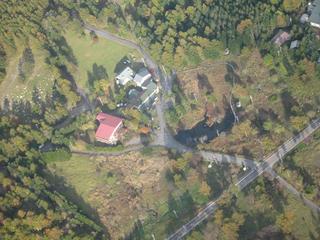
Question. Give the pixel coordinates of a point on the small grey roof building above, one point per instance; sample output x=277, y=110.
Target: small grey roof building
x=294, y=44
x=141, y=77
x=315, y=14
x=125, y=76
x=304, y=18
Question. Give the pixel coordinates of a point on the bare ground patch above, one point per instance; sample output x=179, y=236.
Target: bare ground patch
x=122, y=189
x=207, y=88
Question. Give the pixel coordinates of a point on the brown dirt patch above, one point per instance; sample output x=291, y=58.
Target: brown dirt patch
x=136, y=193
x=197, y=85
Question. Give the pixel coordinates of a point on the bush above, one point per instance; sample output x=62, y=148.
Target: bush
x=273, y=98
x=26, y=64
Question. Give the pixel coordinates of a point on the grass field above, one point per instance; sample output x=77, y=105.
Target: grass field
x=80, y=173
x=102, y=52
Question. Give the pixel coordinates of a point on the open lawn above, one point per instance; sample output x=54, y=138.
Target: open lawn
x=102, y=52
x=42, y=76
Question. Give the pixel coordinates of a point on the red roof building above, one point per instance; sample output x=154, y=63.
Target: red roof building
x=108, y=128
x=280, y=38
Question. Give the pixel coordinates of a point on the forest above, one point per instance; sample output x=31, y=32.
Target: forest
x=179, y=28
x=31, y=206
x=179, y=34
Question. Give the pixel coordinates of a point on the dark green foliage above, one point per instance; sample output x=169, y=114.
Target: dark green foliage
x=98, y=73
x=136, y=233
x=181, y=23
x=30, y=207
x=26, y=64
x=3, y=62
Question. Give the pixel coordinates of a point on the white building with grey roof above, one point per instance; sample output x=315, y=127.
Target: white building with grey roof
x=125, y=76
x=141, y=77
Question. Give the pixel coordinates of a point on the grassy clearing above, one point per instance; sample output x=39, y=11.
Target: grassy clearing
x=42, y=76
x=80, y=173
x=103, y=52
x=121, y=189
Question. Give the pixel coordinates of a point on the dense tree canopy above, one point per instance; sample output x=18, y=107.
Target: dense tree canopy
x=173, y=24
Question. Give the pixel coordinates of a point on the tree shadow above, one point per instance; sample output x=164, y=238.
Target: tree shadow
x=59, y=184
x=204, y=84
x=98, y=72
x=231, y=76
x=288, y=102
x=216, y=179
x=59, y=47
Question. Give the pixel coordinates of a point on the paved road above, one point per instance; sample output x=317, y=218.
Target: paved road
x=284, y=149
x=250, y=177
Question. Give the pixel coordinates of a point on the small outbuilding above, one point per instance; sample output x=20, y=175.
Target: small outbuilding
x=294, y=44
x=304, y=18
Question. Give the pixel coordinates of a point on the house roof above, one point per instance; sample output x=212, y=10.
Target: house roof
x=281, y=37
x=315, y=15
x=108, y=124
x=142, y=75
x=125, y=76
x=151, y=88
